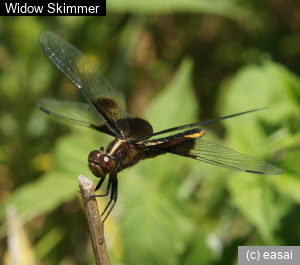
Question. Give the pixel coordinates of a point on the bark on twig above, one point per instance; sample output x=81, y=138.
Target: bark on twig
x=93, y=220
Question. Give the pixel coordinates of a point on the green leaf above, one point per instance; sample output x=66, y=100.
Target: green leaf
x=149, y=189
x=288, y=186
x=260, y=135
x=180, y=107
x=57, y=186
x=162, y=226
x=42, y=195
x=200, y=252
x=178, y=100
x=217, y=7
x=286, y=80
x=254, y=198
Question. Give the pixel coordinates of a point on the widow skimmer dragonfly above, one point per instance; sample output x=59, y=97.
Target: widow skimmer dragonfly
x=132, y=134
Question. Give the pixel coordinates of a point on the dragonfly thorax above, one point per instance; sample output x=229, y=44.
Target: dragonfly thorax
x=101, y=164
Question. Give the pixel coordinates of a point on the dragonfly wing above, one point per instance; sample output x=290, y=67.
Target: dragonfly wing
x=185, y=144
x=83, y=114
x=90, y=81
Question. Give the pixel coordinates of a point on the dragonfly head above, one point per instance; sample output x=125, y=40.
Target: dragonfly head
x=100, y=163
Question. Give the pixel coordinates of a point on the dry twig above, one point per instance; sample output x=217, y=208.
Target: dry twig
x=93, y=220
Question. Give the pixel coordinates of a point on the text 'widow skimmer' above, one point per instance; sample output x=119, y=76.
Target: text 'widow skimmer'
x=132, y=135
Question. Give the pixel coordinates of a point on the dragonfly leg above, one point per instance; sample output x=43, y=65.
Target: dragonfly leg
x=113, y=197
x=107, y=189
x=99, y=184
x=114, y=189
x=113, y=186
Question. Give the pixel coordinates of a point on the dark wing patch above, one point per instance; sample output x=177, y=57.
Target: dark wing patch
x=216, y=154
x=90, y=81
x=83, y=114
x=138, y=127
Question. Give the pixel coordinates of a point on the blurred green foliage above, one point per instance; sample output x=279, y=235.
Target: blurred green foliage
x=173, y=63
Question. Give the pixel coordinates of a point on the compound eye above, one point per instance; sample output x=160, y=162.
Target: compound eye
x=94, y=164
x=107, y=163
x=94, y=156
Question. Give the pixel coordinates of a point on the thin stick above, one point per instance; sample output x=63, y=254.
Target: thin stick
x=93, y=220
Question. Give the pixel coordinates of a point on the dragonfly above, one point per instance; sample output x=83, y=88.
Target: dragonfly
x=134, y=139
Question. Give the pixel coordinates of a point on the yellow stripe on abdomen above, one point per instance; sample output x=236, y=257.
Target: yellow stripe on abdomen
x=195, y=135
